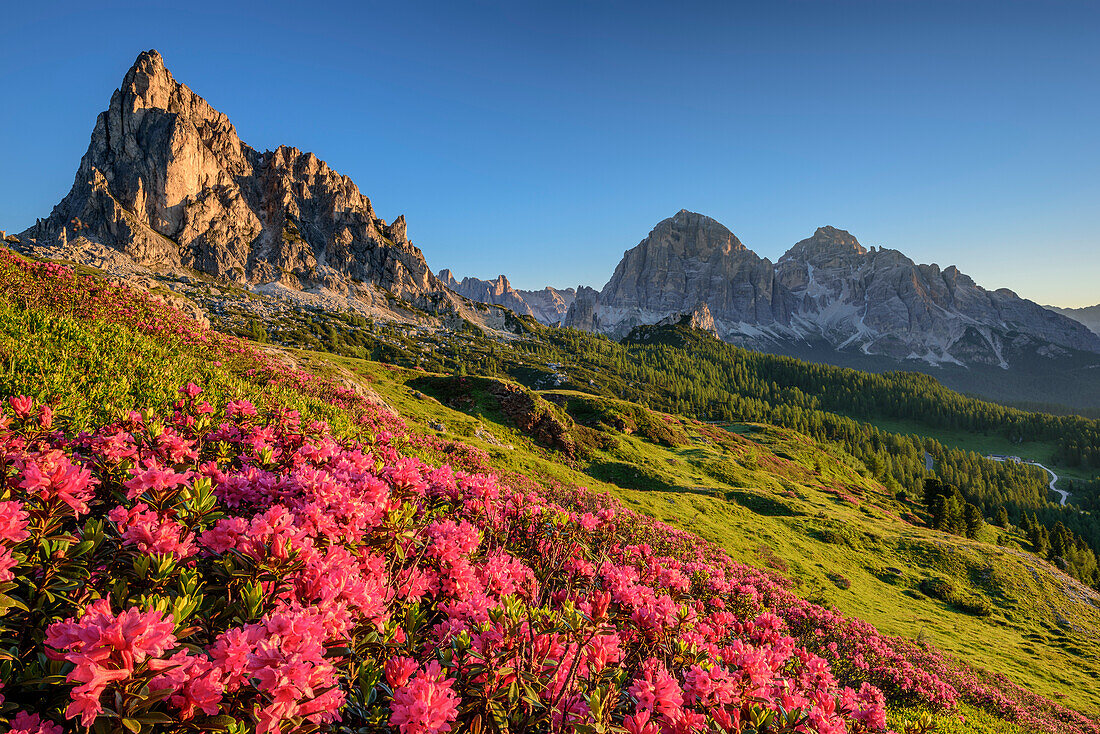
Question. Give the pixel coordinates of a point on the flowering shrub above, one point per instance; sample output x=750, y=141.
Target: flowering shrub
x=245, y=569
x=255, y=572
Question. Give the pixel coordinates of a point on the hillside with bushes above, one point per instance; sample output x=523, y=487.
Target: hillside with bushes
x=891, y=423
x=203, y=535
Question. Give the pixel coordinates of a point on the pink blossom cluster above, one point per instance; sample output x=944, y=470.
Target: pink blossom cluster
x=105, y=650
x=328, y=556
x=13, y=531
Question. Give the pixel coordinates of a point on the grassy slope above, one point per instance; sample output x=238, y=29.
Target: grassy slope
x=733, y=489
x=91, y=372
x=757, y=493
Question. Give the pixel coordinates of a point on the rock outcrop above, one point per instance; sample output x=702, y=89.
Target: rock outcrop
x=167, y=181
x=699, y=318
x=584, y=312
x=548, y=306
x=827, y=290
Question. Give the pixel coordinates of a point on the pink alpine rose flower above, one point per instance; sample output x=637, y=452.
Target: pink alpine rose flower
x=426, y=705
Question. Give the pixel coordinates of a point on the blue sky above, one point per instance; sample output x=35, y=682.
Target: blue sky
x=541, y=140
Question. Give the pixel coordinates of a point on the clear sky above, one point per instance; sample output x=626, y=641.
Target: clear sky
x=541, y=140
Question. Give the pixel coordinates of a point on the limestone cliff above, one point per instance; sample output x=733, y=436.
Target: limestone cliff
x=167, y=181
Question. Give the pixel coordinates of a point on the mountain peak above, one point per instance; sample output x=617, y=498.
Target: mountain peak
x=686, y=260
x=149, y=62
x=167, y=181
x=841, y=238
x=696, y=231
x=149, y=81
x=828, y=241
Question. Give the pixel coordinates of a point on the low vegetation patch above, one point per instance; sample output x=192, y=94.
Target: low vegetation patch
x=947, y=592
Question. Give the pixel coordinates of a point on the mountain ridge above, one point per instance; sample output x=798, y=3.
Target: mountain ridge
x=547, y=306
x=827, y=289
x=1088, y=315
x=167, y=182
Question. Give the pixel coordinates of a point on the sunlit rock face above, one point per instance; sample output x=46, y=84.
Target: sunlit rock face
x=167, y=181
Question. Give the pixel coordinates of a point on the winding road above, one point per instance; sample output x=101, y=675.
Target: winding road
x=1053, y=477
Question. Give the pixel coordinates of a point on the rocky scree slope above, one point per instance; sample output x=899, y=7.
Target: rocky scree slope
x=167, y=181
x=826, y=290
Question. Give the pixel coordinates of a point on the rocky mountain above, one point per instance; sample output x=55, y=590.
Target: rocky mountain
x=1089, y=315
x=167, y=181
x=548, y=306
x=827, y=291
x=686, y=260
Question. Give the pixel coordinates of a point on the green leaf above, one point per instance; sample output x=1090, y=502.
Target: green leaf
x=9, y=602
x=221, y=722
x=156, y=717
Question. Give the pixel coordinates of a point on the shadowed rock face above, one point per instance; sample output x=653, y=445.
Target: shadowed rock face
x=167, y=180
x=583, y=313
x=826, y=289
x=548, y=306
x=881, y=302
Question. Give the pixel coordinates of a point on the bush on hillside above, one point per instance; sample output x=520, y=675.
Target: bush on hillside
x=946, y=591
x=287, y=507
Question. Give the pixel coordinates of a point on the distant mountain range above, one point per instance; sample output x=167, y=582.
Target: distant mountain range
x=826, y=291
x=829, y=299
x=547, y=306
x=1089, y=315
x=167, y=183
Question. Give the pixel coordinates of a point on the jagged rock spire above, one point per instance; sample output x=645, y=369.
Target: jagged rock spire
x=167, y=180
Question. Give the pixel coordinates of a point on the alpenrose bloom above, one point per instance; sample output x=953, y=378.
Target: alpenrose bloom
x=24, y=723
x=260, y=568
x=425, y=705
x=106, y=650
